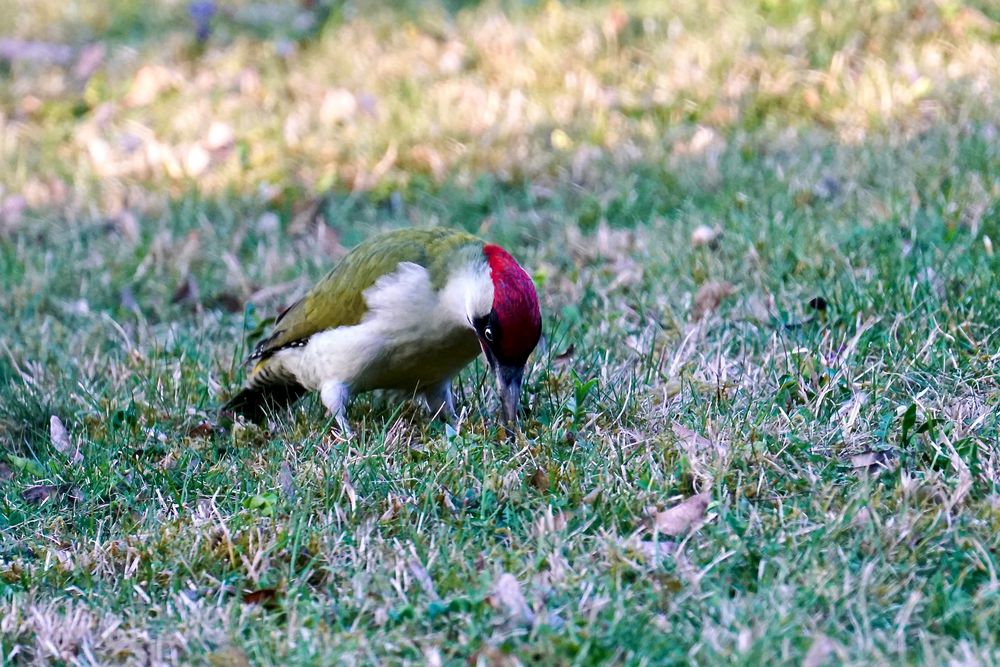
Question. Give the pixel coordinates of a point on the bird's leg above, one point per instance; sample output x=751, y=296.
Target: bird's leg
x=439, y=400
x=335, y=396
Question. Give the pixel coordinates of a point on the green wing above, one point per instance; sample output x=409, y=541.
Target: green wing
x=338, y=299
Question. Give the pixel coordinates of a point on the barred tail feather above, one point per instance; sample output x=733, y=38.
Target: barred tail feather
x=267, y=391
x=255, y=403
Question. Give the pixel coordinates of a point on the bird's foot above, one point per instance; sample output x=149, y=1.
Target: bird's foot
x=440, y=403
x=335, y=396
x=345, y=429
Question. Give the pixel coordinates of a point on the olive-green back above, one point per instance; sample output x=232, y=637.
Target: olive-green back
x=338, y=299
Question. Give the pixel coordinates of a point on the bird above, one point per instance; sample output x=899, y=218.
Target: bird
x=404, y=310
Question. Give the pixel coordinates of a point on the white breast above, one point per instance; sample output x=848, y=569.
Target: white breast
x=412, y=334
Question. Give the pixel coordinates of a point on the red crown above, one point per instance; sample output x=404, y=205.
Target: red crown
x=515, y=304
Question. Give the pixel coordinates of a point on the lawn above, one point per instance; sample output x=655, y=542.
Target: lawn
x=763, y=238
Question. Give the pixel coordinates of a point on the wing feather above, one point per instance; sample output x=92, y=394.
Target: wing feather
x=338, y=300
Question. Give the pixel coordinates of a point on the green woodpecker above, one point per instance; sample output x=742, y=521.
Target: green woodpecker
x=404, y=310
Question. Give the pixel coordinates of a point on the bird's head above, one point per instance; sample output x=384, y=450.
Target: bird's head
x=510, y=331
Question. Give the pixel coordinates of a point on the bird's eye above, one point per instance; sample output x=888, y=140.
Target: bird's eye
x=488, y=334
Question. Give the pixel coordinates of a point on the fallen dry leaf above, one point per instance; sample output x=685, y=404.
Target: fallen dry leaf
x=36, y=495
x=201, y=430
x=874, y=462
x=682, y=517
x=539, y=480
x=394, y=507
x=709, y=296
x=61, y=440
x=59, y=435
x=507, y=595
x=261, y=597
x=5, y=472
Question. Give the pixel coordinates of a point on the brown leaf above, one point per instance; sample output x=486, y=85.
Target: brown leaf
x=263, y=596
x=874, y=462
x=395, y=505
x=60, y=439
x=36, y=495
x=5, y=472
x=202, y=430
x=709, y=296
x=682, y=517
x=540, y=480
x=59, y=436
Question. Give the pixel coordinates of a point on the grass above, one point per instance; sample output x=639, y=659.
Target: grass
x=848, y=156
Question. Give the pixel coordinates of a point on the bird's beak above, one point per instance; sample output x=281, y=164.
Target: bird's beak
x=509, y=387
